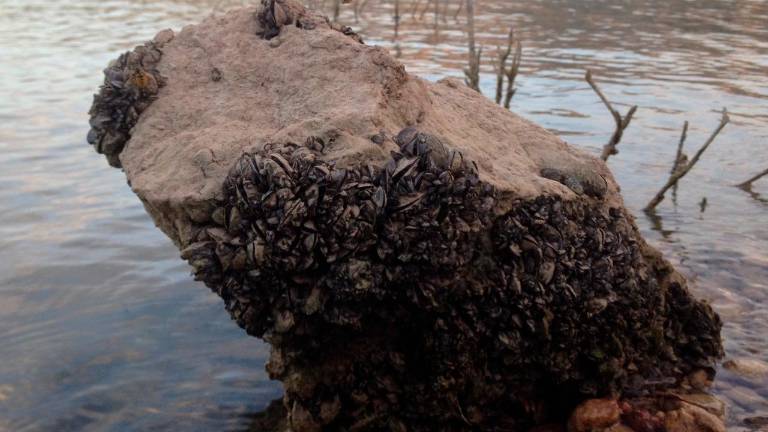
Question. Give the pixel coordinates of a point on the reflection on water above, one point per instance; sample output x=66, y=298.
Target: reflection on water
x=101, y=326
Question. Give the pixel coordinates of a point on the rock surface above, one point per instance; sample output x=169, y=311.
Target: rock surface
x=594, y=414
x=747, y=367
x=418, y=257
x=690, y=418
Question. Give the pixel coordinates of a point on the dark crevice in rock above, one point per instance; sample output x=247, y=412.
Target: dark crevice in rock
x=131, y=84
x=400, y=297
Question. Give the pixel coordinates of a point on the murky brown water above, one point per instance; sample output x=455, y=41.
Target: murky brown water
x=101, y=326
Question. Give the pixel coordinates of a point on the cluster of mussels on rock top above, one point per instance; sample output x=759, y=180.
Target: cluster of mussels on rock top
x=412, y=295
x=130, y=85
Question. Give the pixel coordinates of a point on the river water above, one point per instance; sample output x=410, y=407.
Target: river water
x=101, y=326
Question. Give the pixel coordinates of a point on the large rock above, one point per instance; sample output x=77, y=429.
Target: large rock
x=418, y=257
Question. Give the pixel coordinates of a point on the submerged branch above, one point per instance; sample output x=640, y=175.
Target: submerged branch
x=680, y=158
x=682, y=170
x=748, y=184
x=621, y=122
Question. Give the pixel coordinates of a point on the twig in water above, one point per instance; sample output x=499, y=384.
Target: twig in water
x=359, y=6
x=397, y=18
x=445, y=11
x=437, y=14
x=747, y=185
x=621, y=122
x=512, y=71
x=424, y=10
x=336, y=10
x=415, y=8
x=684, y=169
x=458, y=10
x=472, y=73
x=680, y=159
x=501, y=67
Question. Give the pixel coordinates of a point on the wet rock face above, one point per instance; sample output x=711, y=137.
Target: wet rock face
x=401, y=294
x=417, y=257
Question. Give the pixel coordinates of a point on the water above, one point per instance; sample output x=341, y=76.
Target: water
x=101, y=326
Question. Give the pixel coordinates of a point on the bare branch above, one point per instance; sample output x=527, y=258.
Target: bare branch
x=621, y=123
x=359, y=8
x=445, y=11
x=437, y=15
x=509, y=73
x=415, y=8
x=336, y=10
x=683, y=170
x=426, y=8
x=472, y=73
x=748, y=184
x=512, y=74
x=396, y=18
x=458, y=10
x=679, y=158
x=501, y=66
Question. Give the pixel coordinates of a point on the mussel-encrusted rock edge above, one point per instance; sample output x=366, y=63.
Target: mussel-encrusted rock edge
x=130, y=85
x=398, y=296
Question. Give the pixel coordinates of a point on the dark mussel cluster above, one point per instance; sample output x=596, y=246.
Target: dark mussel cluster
x=273, y=15
x=396, y=298
x=130, y=85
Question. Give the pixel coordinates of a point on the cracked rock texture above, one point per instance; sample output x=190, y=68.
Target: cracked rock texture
x=417, y=257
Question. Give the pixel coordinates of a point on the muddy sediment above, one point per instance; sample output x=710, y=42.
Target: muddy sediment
x=418, y=258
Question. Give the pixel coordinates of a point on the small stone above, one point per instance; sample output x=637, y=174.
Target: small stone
x=747, y=367
x=640, y=420
x=275, y=42
x=699, y=380
x=706, y=401
x=690, y=418
x=594, y=414
x=163, y=37
x=203, y=158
